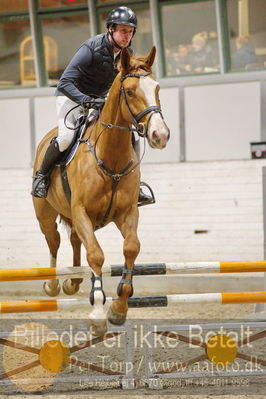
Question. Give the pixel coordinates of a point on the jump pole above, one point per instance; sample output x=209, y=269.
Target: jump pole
x=192, y=267
x=50, y=273
x=52, y=305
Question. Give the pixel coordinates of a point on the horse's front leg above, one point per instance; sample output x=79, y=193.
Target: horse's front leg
x=127, y=224
x=95, y=258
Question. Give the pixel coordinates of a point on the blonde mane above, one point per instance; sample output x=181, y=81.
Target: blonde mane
x=137, y=63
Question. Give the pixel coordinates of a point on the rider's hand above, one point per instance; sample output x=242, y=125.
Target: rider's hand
x=97, y=103
x=86, y=105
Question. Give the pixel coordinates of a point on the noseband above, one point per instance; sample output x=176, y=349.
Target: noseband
x=140, y=127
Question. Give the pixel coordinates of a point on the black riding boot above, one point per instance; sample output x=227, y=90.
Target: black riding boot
x=41, y=180
x=144, y=199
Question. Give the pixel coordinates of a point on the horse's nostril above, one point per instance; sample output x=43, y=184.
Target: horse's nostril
x=155, y=137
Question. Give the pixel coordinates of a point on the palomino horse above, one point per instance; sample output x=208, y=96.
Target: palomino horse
x=104, y=179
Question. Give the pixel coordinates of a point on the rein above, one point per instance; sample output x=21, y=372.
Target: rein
x=139, y=127
x=107, y=171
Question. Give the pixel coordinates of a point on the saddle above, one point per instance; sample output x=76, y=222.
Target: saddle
x=68, y=155
x=82, y=124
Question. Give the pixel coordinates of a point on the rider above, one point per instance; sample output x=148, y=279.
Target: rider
x=86, y=79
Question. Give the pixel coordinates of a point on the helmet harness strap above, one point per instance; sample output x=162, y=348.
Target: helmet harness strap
x=112, y=36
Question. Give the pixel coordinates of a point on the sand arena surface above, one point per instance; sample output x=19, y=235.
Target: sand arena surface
x=231, y=388
x=225, y=197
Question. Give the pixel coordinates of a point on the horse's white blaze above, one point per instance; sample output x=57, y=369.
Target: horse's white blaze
x=156, y=124
x=148, y=86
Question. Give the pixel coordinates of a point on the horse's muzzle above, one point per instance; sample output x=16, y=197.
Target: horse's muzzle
x=158, y=132
x=159, y=138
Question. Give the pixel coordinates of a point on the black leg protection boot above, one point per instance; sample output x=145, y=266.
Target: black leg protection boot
x=41, y=180
x=144, y=199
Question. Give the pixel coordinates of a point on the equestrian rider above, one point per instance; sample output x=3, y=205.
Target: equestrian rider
x=87, y=78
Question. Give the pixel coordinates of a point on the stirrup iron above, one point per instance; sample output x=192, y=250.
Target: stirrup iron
x=152, y=199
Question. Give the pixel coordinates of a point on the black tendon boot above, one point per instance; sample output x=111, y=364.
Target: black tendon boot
x=41, y=180
x=144, y=199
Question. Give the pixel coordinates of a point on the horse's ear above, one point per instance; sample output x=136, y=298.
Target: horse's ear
x=125, y=60
x=149, y=59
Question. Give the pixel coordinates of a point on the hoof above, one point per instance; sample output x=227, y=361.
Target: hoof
x=52, y=289
x=69, y=288
x=116, y=318
x=98, y=328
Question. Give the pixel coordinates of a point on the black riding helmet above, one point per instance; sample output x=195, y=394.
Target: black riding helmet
x=122, y=15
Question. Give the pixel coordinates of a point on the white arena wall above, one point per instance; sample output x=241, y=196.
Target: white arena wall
x=219, y=122
x=204, y=211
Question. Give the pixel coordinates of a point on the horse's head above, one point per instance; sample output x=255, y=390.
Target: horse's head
x=141, y=103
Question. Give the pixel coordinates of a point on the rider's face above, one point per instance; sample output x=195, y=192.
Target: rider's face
x=123, y=34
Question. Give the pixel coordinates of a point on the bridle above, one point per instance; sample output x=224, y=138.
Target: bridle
x=139, y=127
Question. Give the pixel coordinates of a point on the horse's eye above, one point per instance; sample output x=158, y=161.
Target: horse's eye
x=130, y=93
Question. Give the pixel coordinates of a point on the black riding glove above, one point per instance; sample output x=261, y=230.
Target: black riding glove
x=95, y=102
x=98, y=102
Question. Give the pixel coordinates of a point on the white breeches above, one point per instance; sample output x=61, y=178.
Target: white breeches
x=65, y=135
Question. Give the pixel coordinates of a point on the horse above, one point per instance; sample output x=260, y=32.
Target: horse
x=104, y=179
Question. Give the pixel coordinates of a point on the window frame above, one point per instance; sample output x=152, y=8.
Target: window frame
x=225, y=33
x=39, y=15
x=48, y=15
x=54, y=12
x=9, y=17
x=163, y=60
x=227, y=49
x=93, y=8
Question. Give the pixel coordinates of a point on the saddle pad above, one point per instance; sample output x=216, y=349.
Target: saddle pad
x=71, y=151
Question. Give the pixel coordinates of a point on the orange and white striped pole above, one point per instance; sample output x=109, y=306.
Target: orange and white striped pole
x=50, y=273
x=26, y=306
x=44, y=273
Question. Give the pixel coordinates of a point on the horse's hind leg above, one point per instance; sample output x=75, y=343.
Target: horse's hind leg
x=128, y=226
x=46, y=216
x=71, y=286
